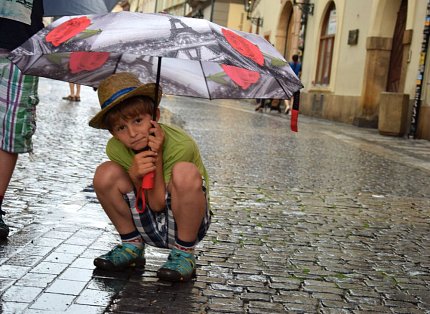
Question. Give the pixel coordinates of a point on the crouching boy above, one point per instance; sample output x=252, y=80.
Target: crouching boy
x=174, y=213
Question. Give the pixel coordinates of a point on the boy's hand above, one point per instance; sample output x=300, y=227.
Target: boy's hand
x=143, y=163
x=156, y=137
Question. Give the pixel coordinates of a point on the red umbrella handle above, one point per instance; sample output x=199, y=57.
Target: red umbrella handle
x=148, y=181
x=147, y=184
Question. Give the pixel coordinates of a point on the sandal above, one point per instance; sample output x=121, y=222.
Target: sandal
x=180, y=266
x=121, y=257
x=69, y=98
x=76, y=98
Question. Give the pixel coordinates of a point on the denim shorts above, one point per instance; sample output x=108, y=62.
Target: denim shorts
x=159, y=228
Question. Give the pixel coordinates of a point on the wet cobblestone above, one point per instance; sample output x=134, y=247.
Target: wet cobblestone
x=333, y=219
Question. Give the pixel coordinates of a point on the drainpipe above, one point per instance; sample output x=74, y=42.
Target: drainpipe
x=421, y=68
x=212, y=10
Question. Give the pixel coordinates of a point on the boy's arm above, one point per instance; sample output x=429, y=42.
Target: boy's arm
x=139, y=165
x=156, y=195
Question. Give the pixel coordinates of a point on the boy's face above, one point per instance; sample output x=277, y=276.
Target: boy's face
x=133, y=132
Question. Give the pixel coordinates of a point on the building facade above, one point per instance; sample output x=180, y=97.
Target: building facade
x=363, y=61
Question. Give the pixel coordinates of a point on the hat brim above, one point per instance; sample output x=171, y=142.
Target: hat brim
x=144, y=90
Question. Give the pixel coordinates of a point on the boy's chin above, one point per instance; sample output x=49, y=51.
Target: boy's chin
x=138, y=148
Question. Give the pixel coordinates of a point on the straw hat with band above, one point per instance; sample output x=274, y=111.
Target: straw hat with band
x=117, y=88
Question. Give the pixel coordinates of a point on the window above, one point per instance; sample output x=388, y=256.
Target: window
x=325, y=54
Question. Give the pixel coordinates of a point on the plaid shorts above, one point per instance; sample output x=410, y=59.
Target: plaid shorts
x=159, y=228
x=18, y=100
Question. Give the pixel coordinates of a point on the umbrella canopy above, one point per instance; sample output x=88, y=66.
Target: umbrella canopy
x=77, y=7
x=198, y=58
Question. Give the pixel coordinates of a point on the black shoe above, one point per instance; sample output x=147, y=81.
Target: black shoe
x=4, y=229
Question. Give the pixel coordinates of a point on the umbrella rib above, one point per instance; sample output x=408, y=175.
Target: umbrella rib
x=206, y=82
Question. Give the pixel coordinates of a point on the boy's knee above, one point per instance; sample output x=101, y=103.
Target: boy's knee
x=186, y=175
x=106, y=174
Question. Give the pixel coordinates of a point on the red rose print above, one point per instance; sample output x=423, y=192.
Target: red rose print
x=67, y=30
x=242, y=77
x=86, y=61
x=244, y=46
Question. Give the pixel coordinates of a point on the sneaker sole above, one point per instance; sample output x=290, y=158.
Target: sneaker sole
x=106, y=265
x=174, y=276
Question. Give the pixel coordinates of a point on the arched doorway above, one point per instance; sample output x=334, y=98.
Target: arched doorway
x=286, y=35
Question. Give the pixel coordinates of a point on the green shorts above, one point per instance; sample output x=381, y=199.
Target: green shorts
x=18, y=100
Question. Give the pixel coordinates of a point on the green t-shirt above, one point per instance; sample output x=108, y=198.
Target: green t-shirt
x=177, y=146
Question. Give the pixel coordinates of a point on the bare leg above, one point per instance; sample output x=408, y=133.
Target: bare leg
x=288, y=104
x=189, y=207
x=72, y=89
x=7, y=166
x=111, y=182
x=78, y=90
x=188, y=200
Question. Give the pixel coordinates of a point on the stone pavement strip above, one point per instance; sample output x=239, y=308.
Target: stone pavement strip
x=333, y=219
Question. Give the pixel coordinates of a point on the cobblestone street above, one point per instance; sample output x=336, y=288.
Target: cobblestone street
x=332, y=219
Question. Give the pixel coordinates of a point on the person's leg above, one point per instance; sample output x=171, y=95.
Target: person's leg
x=288, y=105
x=259, y=104
x=78, y=92
x=71, y=93
x=7, y=166
x=18, y=101
x=188, y=200
x=189, y=205
x=111, y=183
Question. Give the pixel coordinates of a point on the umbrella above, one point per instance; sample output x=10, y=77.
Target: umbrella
x=199, y=58
x=77, y=7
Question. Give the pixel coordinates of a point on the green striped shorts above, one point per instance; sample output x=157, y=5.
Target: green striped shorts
x=18, y=100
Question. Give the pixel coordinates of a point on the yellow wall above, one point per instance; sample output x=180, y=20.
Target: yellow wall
x=237, y=17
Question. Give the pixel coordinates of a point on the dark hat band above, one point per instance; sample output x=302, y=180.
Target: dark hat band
x=115, y=96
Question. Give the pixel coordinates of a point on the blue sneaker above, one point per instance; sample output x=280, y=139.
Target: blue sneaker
x=121, y=257
x=180, y=266
x=4, y=229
